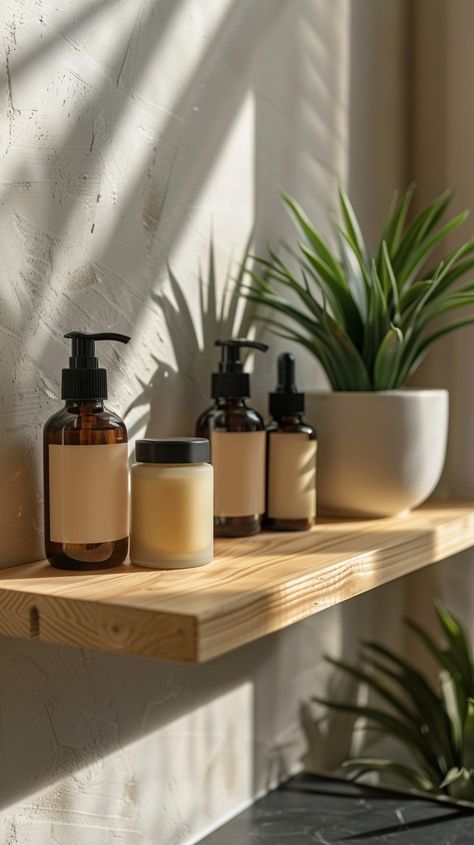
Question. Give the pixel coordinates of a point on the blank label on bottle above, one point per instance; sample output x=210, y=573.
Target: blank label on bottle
x=238, y=459
x=291, y=476
x=88, y=493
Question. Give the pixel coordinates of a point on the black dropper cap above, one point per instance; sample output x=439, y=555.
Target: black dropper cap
x=286, y=400
x=231, y=381
x=85, y=379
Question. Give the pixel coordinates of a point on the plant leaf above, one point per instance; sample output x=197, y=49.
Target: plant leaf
x=393, y=229
x=459, y=783
x=411, y=776
x=451, y=682
x=459, y=648
x=426, y=247
x=352, y=225
x=455, y=707
x=386, y=360
x=468, y=736
x=315, y=240
x=414, y=684
x=395, y=727
x=418, y=230
x=389, y=281
x=354, y=275
x=375, y=684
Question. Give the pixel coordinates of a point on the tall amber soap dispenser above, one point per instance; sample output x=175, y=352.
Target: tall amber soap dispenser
x=86, y=467
x=291, y=475
x=237, y=436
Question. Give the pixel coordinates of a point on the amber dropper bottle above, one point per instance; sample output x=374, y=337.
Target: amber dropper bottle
x=86, y=467
x=291, y=456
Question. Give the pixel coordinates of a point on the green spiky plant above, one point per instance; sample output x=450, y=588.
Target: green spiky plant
x=368, y=320
x=436, y=726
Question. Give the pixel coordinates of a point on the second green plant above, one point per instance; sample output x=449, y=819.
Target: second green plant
x=435, y=726
x=368, y=319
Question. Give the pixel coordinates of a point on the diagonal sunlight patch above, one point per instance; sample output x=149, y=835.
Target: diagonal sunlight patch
x=191, y=308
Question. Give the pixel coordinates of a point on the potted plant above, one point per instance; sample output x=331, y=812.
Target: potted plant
x=369, y=320
x=435, y=726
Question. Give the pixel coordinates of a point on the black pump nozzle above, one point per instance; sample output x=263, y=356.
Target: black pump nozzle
x=230, y=359
x=231, y=381
x=83, y=347
x=286, y=400
x=85, y=379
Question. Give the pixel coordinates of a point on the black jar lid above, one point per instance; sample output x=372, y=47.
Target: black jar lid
x=173, y=450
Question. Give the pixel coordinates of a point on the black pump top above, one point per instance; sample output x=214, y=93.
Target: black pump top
x=231, y=381
x=286, y=400
x=85, y=379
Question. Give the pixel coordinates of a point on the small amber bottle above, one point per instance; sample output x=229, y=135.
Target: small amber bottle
x=237, y=436
x=291, y=456
x=86, y=468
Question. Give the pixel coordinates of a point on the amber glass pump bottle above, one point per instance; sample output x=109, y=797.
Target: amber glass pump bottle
x=237, y=435
x=291, y=456
x=85, y=467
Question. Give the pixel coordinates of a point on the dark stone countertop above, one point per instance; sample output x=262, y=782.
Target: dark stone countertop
x=310, y=810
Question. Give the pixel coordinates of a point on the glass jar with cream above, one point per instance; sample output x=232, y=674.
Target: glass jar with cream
x=172, y=503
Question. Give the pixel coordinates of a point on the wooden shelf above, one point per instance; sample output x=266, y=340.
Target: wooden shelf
x=255, y=585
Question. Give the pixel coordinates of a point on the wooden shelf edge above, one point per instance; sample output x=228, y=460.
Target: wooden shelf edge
x=255, y=586
x=340, y=582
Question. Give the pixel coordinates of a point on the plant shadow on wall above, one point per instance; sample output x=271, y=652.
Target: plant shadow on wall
x=194, y=357
x=38, y=306
x=50, y=297
x=72, y=269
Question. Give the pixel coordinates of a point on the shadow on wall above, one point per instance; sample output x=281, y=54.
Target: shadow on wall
x=77, y=707
x=38, y=305
x=193, y=349
x=80, y=706
x=46, y=295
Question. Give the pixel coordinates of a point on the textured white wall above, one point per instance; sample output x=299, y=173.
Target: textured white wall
x=131, y=130
x=99, y=749
x=442, y=157
x=128, y=132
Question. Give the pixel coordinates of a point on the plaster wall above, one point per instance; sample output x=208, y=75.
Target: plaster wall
x=130, y=132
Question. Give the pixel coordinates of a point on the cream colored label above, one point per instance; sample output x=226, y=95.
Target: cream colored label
x=238, y=459
x=291, y=476
x=88, y=493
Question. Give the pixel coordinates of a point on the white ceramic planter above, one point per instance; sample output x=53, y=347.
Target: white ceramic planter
x=378, y=453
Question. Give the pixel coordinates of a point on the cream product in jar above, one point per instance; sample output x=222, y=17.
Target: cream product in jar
x=86, y=503
x=172, y=495
x=291, y=462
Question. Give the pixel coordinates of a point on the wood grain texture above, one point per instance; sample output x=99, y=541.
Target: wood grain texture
x=254, y=586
